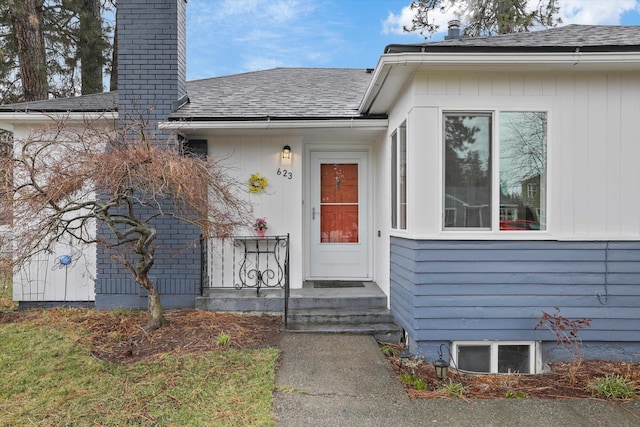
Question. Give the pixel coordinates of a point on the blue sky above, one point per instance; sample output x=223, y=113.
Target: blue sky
x=235, y=36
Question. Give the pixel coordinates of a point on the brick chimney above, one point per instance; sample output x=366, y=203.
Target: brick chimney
x=151, y=58
x=152, y=84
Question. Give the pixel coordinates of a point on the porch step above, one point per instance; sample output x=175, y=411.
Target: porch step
x=358, y=310
x=336, y=303
x=377, y=321
x=242, y=300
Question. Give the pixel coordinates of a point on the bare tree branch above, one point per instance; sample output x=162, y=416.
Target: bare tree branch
x=66, y=179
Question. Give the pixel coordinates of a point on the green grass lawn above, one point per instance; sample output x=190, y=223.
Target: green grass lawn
x=49, y=378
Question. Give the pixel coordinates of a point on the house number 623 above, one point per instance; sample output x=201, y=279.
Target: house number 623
x=285, y=173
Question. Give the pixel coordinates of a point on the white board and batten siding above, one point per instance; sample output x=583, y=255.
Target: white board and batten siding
x=281, y=202
x=593, y=146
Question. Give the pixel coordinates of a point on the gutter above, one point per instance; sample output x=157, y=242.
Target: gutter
x=352, y=123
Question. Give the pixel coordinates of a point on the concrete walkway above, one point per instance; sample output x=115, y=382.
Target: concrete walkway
x=344, y=380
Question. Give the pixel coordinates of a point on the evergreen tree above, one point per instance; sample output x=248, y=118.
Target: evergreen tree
x=53, y=48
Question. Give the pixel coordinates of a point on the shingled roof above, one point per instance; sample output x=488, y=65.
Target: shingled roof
x=585, y=38
x=98, y=102
x=333, y=93
x=279, y=93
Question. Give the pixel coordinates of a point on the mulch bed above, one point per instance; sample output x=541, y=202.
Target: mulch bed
x=121, y=337
x=124, y=338
x=565, y=381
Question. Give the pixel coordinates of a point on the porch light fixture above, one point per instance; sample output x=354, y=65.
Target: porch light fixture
x=286, y=152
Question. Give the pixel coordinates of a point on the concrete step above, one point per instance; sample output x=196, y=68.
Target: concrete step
x=377, y=321
x=348, y=316
x=272, y=300
x=337, y=303
x=387, y=332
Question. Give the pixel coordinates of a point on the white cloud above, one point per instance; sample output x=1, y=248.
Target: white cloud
x=259, y=34
x=595, y=12
x=394, y=24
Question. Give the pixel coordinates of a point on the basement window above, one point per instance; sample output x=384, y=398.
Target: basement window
x=496, y=357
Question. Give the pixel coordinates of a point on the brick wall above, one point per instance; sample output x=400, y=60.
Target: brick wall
x=151, y=84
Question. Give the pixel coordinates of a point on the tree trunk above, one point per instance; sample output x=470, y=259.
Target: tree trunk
x=91, y=46
x=26, y=20
x=153, y=304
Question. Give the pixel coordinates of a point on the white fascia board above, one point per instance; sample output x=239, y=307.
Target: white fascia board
x=478, y=61
x=528, y=58
x=380, y=124
x=15, y=117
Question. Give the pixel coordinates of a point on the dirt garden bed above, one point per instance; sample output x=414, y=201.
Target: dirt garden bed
x=565, y=381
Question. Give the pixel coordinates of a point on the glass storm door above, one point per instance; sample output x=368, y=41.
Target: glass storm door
x=339, y=217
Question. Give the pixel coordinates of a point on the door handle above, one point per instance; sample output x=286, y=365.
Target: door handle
x=313, y=213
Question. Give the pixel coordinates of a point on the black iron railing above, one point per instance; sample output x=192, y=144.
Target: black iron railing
x=247, y=262
x=262, y=262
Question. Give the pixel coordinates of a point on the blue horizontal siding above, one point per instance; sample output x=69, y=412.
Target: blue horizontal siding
x=497, y=290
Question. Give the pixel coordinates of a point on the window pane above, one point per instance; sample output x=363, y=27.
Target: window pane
x=474, y=358
x=394, y=180
x=513, y=358
x=339, y=203
x=403, y=176
x=339, y=223
x=523, y=167
x=467, y=170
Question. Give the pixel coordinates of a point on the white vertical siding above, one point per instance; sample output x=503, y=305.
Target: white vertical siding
x=593, y=146
x=281, y=203
x=630, y=153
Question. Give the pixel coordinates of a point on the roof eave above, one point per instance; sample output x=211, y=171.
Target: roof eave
x=503, y=61
x=14, y=117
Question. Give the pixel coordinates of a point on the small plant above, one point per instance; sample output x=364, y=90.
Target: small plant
x=613, y=387
x=452, y=389
x=115, y=335
x=388, y=350
x=565, y=330
x=566, y=333
x=414, y=381
x=260, y=224
x=223, y=339
x=510, y=394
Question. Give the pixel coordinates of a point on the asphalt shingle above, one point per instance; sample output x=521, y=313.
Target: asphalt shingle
x=289, y=93
x=567, y=38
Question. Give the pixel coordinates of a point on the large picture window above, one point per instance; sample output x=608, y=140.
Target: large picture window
x=399, y=178
x=470, y=183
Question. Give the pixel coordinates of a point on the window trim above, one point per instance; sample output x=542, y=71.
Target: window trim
x=535, y=354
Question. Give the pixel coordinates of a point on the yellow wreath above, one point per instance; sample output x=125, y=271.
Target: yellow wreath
x=257, y=183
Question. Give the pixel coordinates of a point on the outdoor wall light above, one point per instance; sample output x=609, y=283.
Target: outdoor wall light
x=286, y=152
